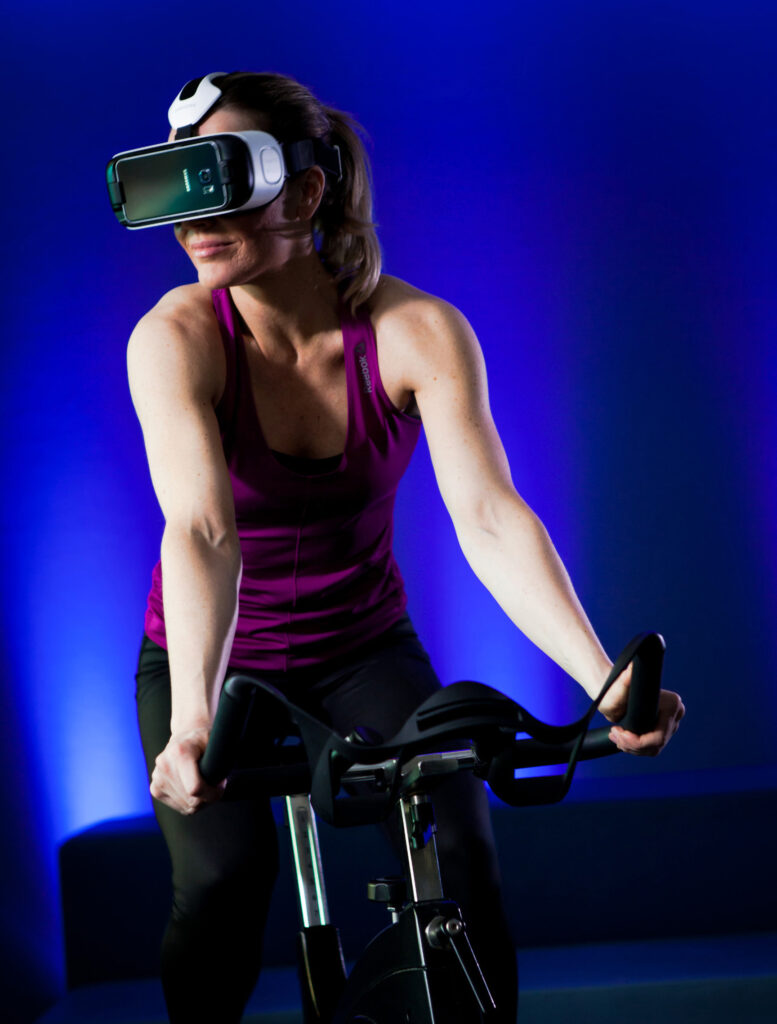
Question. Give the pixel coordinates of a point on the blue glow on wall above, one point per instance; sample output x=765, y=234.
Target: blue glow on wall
x=592, y=183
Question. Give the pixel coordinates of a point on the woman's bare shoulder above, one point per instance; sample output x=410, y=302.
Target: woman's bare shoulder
x=396, y=305
x=183, y=315
x=189, y=304
x=179, y=336
x=399, y=299
x=402, y=312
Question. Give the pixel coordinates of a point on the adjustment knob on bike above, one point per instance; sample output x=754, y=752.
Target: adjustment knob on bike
x=440, y=931
x=391, y=891
x=450, y=933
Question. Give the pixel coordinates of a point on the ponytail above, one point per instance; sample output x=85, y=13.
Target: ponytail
x=346, y=238
x=343, y=228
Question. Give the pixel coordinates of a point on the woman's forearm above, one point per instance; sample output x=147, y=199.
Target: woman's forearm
x=200, y=580
x=513, y=556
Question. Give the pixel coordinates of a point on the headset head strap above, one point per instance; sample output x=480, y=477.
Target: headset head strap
x=192, y=104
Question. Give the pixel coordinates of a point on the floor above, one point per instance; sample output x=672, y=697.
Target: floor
x=710, y=980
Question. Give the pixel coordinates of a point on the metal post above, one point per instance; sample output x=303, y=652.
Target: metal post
x=307, y=861
x=419, y=829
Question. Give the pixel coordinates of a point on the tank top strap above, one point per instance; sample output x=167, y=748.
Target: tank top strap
x=227, y=408
x=368, y=405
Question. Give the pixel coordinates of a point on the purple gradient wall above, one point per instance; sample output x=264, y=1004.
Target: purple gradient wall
x=591, y=182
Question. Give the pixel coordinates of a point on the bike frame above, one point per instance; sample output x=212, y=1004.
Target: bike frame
x=421, y=969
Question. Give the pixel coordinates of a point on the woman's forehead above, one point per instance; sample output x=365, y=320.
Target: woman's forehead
x=233, y=119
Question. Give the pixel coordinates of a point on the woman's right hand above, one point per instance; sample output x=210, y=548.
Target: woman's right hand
x=176, y=779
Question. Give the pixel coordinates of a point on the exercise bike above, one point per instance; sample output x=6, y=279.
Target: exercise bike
x=421, y=969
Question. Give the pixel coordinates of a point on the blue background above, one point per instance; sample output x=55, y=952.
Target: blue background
x=591, y=182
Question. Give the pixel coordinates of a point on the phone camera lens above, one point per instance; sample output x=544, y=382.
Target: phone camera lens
x=205, y=176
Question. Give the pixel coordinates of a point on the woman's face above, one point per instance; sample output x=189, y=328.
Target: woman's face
x=241, y=247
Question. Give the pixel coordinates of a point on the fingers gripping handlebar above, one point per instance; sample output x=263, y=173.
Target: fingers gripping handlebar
x=470, y=711
x=575, y=742
x=647, y=654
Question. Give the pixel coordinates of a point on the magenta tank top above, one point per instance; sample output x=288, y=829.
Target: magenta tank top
x=319, y=574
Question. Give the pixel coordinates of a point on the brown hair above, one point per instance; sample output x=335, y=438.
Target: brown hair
x=343, y=227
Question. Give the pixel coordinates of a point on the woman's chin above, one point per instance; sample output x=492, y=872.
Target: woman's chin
x=211, y=276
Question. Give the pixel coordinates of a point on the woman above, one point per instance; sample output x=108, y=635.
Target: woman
x=280, y=398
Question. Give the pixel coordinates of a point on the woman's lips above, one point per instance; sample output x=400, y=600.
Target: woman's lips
x=208, y=248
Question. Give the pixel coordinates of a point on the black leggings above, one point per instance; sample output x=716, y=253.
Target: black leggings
x=225, y=858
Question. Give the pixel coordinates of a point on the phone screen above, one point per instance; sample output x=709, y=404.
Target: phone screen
x=171, y=183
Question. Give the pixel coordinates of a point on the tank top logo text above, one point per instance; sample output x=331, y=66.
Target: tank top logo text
x=364, y=367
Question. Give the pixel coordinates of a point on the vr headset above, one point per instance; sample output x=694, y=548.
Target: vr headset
x=207, y=175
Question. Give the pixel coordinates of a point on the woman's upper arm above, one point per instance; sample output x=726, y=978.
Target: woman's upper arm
x=176, y=372
x=448, y=377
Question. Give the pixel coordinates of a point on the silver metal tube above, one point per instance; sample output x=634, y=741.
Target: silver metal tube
x=307, y=861
x=423, y=869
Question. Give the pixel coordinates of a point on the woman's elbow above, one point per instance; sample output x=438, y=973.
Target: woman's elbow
x=214, y=534
x=494, y=512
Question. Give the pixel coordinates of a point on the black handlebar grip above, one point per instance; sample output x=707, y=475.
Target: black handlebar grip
x=219, y=756
x=642, y=709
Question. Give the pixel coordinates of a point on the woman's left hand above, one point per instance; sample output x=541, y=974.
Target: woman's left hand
x=670, y=712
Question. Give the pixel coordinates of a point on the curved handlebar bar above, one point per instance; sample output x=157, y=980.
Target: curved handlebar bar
x=466, y=710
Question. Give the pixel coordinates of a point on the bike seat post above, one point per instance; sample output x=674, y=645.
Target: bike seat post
x=418, y=827
x=307, y=861
x=320, y=962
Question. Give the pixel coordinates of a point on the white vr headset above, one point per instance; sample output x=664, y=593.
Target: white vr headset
x=206, y=175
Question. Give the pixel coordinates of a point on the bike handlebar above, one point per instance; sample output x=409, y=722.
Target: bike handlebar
x=484, y=716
